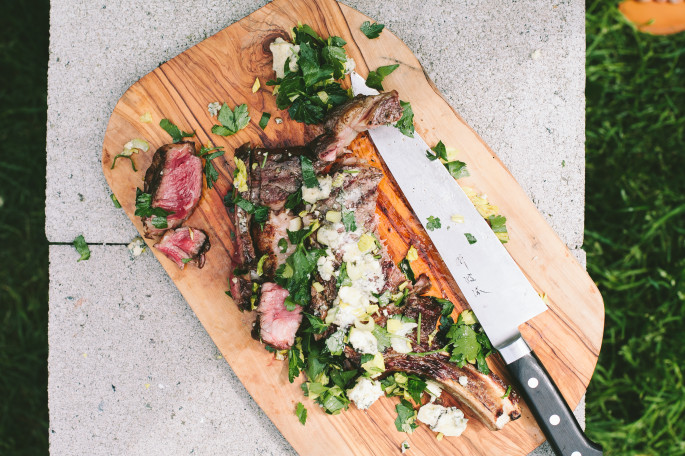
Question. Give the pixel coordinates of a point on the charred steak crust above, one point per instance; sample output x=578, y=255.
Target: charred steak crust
x=277, y=175
x=174, y=180
x=241, y=218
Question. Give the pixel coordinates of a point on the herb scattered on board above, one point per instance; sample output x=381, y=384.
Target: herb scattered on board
x=314, y=88
x=260, y=213
x=211, y=174
x=468, y=341
x=433, y=223
x=231, y=121
x=264, y=120
x=406, y=122
x=406, y=417
x=301, y=413
x=82, y=248
x=144, y=209
x=349, y=221
x=471, y=238
x=308, y=174
x=371, y=30
x=375, y=78
x=455, y=167
x=498, y=223
x=186, y=260
x=115, y=201
x=176, y=134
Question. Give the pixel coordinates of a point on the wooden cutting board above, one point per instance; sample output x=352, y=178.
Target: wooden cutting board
x=222, y=68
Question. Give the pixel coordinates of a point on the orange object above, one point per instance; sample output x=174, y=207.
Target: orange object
x=656, y=17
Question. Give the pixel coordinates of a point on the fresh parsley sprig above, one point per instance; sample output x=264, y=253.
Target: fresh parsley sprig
x=371, y=30
x=176, y=134
x=406, y=122
x=211, y=174
x=375, y=78
x=232, y=121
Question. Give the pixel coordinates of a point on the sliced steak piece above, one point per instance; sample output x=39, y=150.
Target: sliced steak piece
x=430, y=312
x=184, y=245
x=174, y=179
x=267, y=240
x=277, y=175
x=277, y=325
x=343, y=123
x=241, y=290
x=483, y=394
x=245, y=252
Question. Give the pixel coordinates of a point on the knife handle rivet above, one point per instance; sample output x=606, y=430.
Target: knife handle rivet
x=533, y=382
x=554, y=420
x=576, y=453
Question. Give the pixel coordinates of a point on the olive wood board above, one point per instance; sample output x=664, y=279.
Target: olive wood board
x=223, y=68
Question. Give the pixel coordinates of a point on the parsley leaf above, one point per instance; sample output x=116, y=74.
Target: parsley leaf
x=382, y=337
x=375, y=78
x=507, y=392
x=433, y=223
x=282, y=245
x=211, y=174
x=471, y=238
x=261, y=213
x=301, y=413
x=231, y=121
x=498, y=223
x=144, y=209
x=415, y=388
x=405, y=267
x=440, y=151
x=406, y=123
x=308, y=175
x=317, y=325
x=349, y=221
x=447, y=306
x=457, y=169
x=343, y=279
x=371, y=30
x=406, y=417
x=82, y=248
x=264, y=120
x=294, y=199
x=176, y=134
x=186, y=260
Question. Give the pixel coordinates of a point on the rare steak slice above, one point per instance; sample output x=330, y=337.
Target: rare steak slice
x=346, y=121
x=277, y=325
x=184, y=245
x=174, y=180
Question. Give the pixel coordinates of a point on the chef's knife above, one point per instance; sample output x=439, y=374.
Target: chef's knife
x=494, y=286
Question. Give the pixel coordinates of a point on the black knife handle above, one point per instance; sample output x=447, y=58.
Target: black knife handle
x=550, y=409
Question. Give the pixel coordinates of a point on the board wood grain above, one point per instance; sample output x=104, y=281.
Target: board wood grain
x=222, y=68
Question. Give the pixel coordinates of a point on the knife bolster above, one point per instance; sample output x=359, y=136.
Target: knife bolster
x=514, y=350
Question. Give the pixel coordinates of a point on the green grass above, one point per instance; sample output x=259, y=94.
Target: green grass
x=635, y=233
x=23, y=251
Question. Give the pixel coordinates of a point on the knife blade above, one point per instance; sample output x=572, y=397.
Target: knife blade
x=494, y=286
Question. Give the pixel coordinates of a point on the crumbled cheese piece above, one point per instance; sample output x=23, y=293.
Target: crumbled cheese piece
x=137, y=247
x=350, y=65
x=433, y=389
x=323, y=191
x=365, y=392
x=448, y=421
x=398, y=338
x=330, y=235
x=278, y=120
x=325, y=265
x=295, y=224
x=214, y=108
x=363, y=341
x=282, y=50
x=463, y=381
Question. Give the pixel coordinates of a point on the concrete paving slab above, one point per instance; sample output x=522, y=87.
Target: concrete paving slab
x=132, y=371
x=513, y=70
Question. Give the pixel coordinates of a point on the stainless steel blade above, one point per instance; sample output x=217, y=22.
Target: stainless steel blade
x=494, y=286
